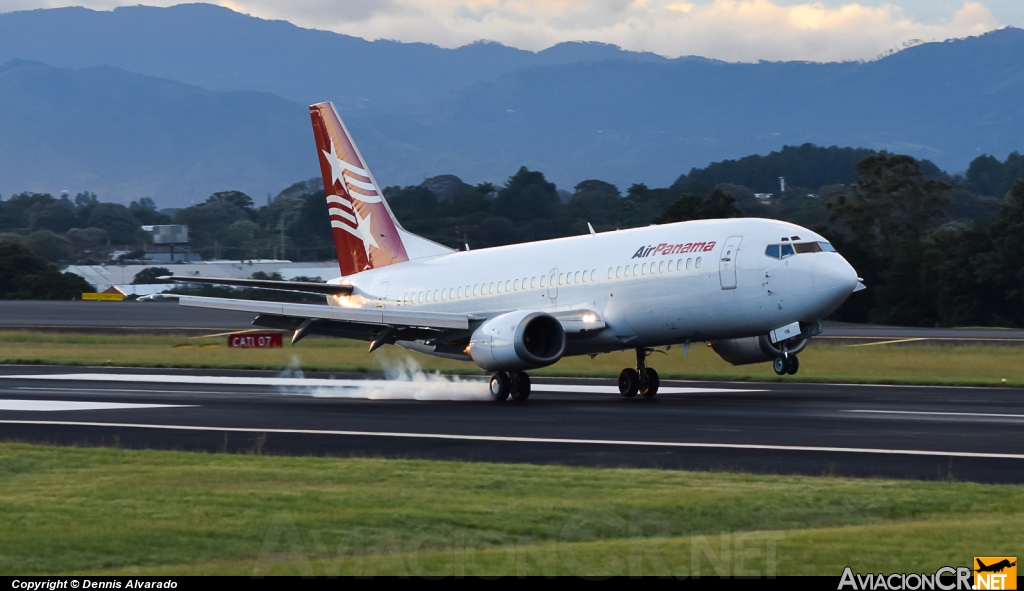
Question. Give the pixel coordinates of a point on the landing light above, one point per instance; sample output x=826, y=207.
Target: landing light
x=590, y=318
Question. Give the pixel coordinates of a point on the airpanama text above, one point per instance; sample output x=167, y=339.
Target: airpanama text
x=667, y=249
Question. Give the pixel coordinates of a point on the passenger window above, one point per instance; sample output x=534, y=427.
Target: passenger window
x=515, y=285
x=618, y=272
x=661, y=267
x=611, y=272
x=697, y=264
x=576, y=277
x=533, y=282
x=643, y=269
x=508, y=286
x=459, y=293
x=772, y=251
x=671, y=264
x=689, y=264
x=787, y=250
x=593, y=274
x=491, y=288
x=499, y=286
x=636, y=270
x=561, y=278
x=626, y=272
x=476, y=290
x=542, y=280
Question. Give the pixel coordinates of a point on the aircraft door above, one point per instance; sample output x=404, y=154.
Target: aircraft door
x=382, y=294
x=727, y=262
x=553, y=284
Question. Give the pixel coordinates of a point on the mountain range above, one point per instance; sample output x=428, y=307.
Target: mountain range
x=176, y=103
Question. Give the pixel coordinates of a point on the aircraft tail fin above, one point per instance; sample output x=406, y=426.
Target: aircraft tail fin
x=366, y=234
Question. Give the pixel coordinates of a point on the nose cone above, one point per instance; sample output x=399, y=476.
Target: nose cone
x=834, y=280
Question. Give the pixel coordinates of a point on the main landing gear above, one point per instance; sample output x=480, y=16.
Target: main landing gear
x=786, y=365
x=515, y=384
x=643, y=380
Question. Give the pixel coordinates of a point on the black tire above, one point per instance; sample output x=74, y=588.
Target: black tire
x=499, y=387
x=629, y=382
x=519, y=386
x=794, y=365
x=650, y=386
x=780, y=365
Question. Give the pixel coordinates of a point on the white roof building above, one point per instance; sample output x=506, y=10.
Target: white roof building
x=103, y=276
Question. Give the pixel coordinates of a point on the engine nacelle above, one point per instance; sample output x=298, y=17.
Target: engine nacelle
x=517, y=340
x=754, y=349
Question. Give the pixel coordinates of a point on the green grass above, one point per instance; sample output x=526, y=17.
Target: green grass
x=897, y=364
x=112, y=511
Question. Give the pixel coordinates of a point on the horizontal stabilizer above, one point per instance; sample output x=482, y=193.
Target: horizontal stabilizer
x=294, y=286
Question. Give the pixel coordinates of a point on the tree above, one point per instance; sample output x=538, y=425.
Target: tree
x=151, y=275
x=25, y=275
x=50, y=246
x=117, y=221
x=884, y=221
x=55, y=215
x=526, y=196
x=236, y=198
x=691, y=207
x=85, y=199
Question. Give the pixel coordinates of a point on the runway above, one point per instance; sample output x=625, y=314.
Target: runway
x=169, y=317
x=970, y=434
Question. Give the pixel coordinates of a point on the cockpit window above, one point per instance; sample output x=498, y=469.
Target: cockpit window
x=781, y=251
x=802, y=247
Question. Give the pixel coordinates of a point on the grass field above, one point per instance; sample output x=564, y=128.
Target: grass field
x=112, y=511
x=906, y=364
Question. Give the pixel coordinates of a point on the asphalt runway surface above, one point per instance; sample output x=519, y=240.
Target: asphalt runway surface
x=931, y=433
x=169, y=317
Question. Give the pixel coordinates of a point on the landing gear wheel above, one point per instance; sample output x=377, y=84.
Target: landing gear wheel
x=629, y=382
x=649, y=386
x=520, y=386
x=793, y=366
x=499, y=387
x=780, y=365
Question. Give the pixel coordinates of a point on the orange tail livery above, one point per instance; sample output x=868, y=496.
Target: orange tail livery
x=366, y=234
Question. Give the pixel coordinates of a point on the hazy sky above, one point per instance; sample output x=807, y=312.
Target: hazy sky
x=735, y=30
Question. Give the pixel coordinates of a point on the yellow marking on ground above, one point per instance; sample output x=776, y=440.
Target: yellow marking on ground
x=224, y=334
x=888, y=342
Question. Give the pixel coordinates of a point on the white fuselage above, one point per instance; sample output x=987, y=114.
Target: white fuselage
x=653, y=286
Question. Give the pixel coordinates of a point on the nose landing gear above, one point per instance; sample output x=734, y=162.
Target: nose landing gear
x=515, y=384
x=786, y=365
x=643, y=380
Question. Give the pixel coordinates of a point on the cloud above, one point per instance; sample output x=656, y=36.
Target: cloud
x=734, y=30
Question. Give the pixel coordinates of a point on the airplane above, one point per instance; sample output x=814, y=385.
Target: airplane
x=754, y=289
x=994, y=568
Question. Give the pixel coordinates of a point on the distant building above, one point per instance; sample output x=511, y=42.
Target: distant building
x=763, y=196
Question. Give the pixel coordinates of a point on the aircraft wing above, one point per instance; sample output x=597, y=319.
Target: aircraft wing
x=379, y=326
x=294, y=286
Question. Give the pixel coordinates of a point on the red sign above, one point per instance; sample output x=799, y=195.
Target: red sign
x=255, y=340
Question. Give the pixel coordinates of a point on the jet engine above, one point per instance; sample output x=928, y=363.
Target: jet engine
x=517, y=340
x=755, y=349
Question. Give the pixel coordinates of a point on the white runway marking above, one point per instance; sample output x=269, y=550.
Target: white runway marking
x=941, y=414
x=324, y=383
x=444, y=436
x=55, y=405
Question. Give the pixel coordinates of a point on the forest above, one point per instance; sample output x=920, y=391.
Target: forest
x=933, y=248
